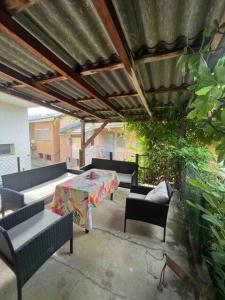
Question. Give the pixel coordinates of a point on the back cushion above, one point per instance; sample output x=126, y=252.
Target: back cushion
x=115, y=165
x=26, y=179
x=159, y=194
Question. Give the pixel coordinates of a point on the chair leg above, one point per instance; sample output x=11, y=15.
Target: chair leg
x=71, y=246
x=19, y=290
x=164, y=235
x=111, y=197
x=125, y=223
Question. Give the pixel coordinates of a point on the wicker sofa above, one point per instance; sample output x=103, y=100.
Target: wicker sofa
x=33, y=185
x=127, y=171
x=29, y=236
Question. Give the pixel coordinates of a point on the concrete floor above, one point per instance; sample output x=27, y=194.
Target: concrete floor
x=108, y=264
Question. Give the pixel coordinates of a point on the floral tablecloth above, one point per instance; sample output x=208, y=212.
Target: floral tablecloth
x=80, y=194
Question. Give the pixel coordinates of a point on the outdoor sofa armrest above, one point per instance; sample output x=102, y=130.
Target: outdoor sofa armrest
x=74, y=171
x=140, y=189
x=11, y=199
x=87, y=167
x=31, y=256
x=21, y=215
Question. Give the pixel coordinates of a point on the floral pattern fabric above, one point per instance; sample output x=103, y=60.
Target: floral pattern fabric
x=80, y=194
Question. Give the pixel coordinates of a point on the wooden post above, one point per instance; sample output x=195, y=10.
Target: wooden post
x=18, y=164
x=82, y=150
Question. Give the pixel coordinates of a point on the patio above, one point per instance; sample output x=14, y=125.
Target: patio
x=110, y=264
x=105, y=61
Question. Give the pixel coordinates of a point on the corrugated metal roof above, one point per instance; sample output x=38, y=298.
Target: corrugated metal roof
x=110, y=82
x=153, y=25
x=19, y=59
x=73, y=31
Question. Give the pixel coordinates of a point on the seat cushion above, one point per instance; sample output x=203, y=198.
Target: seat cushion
x=26, y=230
x=136, y=196
x=159, y=194
x=124, y=177
x=45, y=191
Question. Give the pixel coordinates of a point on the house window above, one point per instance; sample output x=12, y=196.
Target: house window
x=7, y=149
x=48, y=157
x=40, y=155
x=120, y=140
x=43, y=134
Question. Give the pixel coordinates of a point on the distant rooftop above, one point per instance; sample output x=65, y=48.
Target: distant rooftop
x=75, y=127
x=43, y=116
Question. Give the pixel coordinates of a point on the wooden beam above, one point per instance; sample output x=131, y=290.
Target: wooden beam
x=37, y=87
x=18, y=34
x=158, y=57
x=171, y=89
x=218, y=36
x=116, y=35
x=161, y=90
x=22, y=96
x=13, y=7
x=97, y=131
x=109, y=67
x=53, y=79
x=82, y=150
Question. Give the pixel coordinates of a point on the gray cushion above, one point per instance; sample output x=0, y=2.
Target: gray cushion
x=45, y=191
x=159, y=194
x=26, y=230
x=124, y=177
x=136, y=196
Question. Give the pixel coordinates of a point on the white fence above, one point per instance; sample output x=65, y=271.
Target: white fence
x=11, y=164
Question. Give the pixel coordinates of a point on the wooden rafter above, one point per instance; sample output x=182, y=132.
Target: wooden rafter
x=119, y=42
x=37, y=87
x=97, y=131
x=23, y=96
x=218, y=36
x=23, y=38
x=161, y=90
x=13, y=7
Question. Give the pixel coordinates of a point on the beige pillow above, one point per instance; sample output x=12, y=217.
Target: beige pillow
x=159, y=194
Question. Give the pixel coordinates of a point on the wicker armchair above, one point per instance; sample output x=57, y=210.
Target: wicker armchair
x=139, y=209
x=29, y=236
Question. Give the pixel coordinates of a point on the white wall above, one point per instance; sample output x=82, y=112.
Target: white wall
x=14, y=129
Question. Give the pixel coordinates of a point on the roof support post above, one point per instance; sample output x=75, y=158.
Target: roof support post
x=82, y=150
x=97, y=131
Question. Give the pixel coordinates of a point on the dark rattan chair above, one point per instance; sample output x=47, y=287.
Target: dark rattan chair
x=29, y=236
x=139, y=209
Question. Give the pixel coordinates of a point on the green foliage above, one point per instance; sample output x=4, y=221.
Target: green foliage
x=167, y=144
x=208, y=107
x=214, y=216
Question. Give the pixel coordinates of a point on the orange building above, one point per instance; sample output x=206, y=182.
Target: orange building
x=44, y=138
x=58, y=138
x=113, y=138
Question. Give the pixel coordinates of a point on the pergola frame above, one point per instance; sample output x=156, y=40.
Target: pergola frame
x=62, y=71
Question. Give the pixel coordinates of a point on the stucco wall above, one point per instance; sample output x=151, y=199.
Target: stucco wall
x=14, y=129
x=47, y=147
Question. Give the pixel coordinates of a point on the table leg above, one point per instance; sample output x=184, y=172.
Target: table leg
x=88, y=225
x=111, y=197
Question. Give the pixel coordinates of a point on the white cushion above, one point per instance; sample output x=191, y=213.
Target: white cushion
x=46, y=190
x=159, y=194
x=136, y=196
x=124, y=177
x=26, y=230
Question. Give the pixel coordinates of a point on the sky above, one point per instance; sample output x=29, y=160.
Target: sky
x=39, y=111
